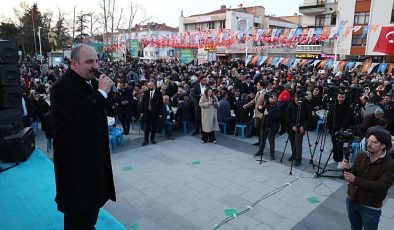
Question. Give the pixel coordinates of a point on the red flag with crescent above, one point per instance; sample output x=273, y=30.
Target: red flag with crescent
x=385, y=43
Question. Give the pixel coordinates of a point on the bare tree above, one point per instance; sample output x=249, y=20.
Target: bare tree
x=74, y=23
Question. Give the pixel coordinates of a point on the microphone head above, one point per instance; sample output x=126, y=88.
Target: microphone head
x=97, y=73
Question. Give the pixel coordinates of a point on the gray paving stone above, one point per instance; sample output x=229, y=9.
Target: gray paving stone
x=206, y=204
x=164, y=190
x=182, y=208
x=167, y=199
x=233, y=201
x=147, y=223
x=175, y=222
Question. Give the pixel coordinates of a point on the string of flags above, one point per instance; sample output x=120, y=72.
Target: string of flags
x=366, y=67
x=263, y=38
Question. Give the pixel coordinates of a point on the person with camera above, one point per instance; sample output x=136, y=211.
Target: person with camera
x=297, y=118
x=339, y=119
x=370, y=178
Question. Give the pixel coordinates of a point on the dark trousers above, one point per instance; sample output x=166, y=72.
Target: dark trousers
x=270, y=133
x=197, y=117
x=337, y=149
x=169, y=127
x=296, y=144
x=257, y=127
x=81, y=220
x=208, y=136
x=150, y=127
x=125, y=118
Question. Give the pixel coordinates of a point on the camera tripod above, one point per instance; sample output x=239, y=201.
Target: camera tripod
x=297, y=135
x=321, y=139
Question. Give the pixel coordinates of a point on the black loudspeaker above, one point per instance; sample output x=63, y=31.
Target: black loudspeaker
x=8, y=52
x=10, y=97
x=11, y=121
x=9, y=75
x=17, y=147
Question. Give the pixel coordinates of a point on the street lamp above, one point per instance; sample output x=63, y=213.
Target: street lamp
x=246, y=42
x=39, y=40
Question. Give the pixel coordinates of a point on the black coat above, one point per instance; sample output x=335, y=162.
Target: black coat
x=242, y=115
x=304, y=115
x=183, y=113
x=272, y=120
x=82, y=161
x=157, y=104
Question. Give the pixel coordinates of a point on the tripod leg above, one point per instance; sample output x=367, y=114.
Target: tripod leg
x=310, y=148
x=283, y=153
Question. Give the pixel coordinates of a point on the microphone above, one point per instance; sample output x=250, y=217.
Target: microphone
x=97, y=73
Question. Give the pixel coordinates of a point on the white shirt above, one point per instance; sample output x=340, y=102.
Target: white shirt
x=105, y=95
x=203, y=87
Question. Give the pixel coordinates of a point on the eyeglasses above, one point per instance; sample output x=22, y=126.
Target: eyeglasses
x=372, y=141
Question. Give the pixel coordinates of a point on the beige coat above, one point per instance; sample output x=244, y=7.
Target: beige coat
x=257, y=101
x=209, y=120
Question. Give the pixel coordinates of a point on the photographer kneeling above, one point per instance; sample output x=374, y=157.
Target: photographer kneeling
x=370, y=178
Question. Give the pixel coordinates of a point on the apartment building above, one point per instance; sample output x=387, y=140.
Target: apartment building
x=233, y=19
x=318, y=14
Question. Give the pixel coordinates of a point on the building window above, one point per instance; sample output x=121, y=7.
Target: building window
x=392, y=15
x=211, y=25
x=358, y=41
x=333, y=20
x=222, y=24
x=319, y=20
x=361, y=18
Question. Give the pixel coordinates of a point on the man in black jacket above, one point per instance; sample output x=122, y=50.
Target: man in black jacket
x=339, y=118
x=270, y=125
x=82, y=161
x=297, y=117
x=152, y=110
x=243, y=116
x=125, y=100
x=196, y=92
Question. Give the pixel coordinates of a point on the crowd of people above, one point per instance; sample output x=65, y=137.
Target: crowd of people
x=263, y=98
x=167, y=95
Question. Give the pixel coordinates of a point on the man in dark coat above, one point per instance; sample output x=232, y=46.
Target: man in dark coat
x=243, y=116
x=125, y=99
x=83, y=171
x=196, y=92
x=270, y=125
x=152, y=110
x=298, y=115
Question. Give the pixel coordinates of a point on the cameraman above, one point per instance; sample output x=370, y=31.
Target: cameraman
x=297, y=117
x=370, y=178
x=339, y=119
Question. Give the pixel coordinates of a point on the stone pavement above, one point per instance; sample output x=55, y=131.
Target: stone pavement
x=184, y=184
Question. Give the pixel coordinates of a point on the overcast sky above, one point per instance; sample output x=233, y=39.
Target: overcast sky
x=164, y=11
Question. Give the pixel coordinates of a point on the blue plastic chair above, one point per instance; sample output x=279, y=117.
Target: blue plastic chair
x=35, y=128
x=112, y=142
x=242, y=128
x=49, y=144
x=223, y=126
x=355, y=149
x=118, y=135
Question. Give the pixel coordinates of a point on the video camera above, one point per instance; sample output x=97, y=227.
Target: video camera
x=345, y=135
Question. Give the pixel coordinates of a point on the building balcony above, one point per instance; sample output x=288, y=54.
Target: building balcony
x=315, y=7
x=309, y=49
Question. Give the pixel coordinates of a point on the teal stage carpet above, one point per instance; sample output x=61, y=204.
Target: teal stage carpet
x=27, y=194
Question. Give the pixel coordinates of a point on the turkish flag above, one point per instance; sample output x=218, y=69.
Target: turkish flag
x=385, y=43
